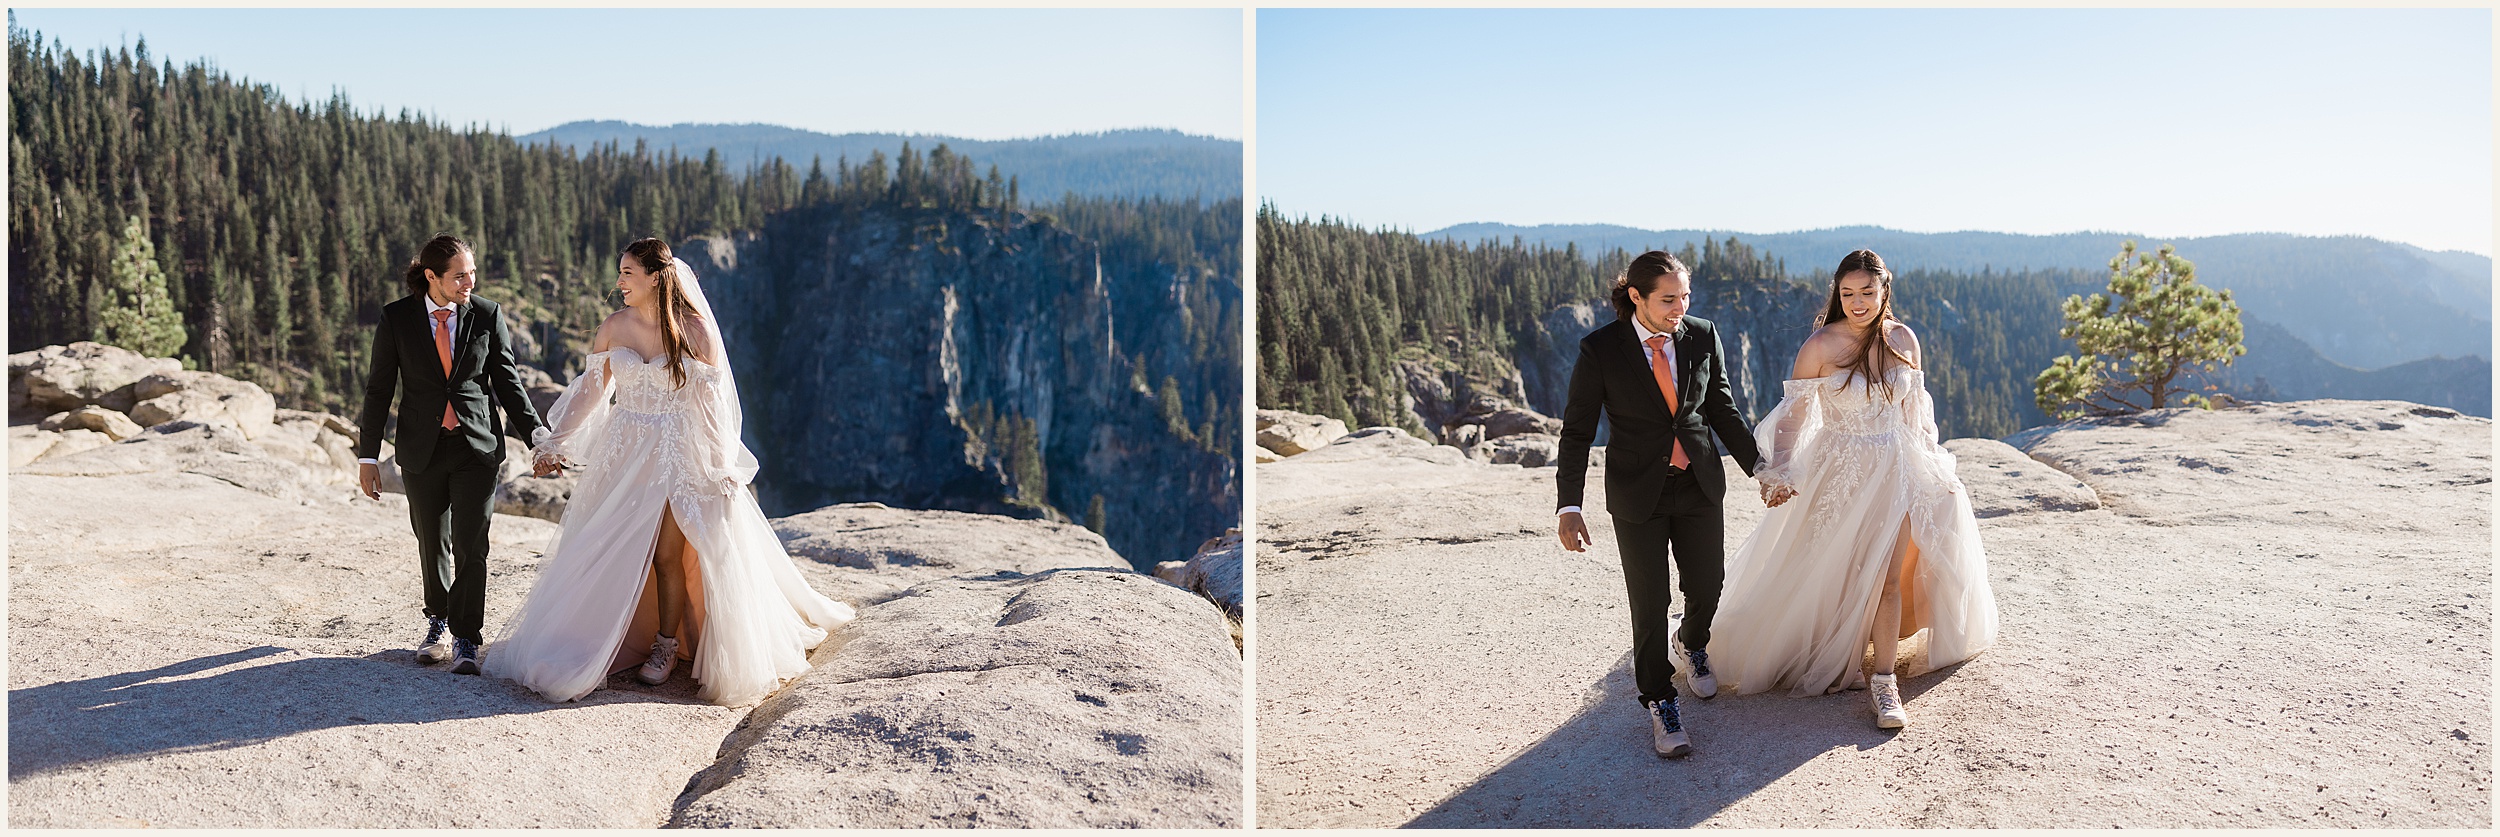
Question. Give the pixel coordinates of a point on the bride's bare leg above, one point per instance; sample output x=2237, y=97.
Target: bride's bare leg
x=1887, y=628
x=669, y=560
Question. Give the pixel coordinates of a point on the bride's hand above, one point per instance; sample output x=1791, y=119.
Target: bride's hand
x=546, y=465
x=1774, y=495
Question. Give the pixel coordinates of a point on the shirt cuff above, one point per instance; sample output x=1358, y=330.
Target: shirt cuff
x=369, y=461
x=1566, y=510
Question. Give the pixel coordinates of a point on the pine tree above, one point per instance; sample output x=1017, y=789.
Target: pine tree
x=2133, y=342
x=135, y=311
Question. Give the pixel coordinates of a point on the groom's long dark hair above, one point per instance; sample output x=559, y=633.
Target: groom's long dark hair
x=435, y=256
x=1642, y=274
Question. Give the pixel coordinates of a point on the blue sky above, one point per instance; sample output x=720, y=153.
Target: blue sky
x=2164, y=123
x=976, y=73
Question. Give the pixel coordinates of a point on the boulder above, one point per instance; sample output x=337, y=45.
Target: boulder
x=1066, y=699
x=182, y=395
x=108, y=422
x=1513, y=421
x=539, y=497
x=56, y=378
x=1527, y=450
x=1215, y=572
x=1263, y=455
x=865, y=553
x=1288, y=433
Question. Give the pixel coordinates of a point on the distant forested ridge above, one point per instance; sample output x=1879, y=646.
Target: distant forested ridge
x=1124, y=164
x=2361, y=302
x=1348, y=317
x=282, y=228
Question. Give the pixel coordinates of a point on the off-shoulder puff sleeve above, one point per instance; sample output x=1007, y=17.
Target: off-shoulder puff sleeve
x=721, y=457
x=1783, y=435
x=577, y=416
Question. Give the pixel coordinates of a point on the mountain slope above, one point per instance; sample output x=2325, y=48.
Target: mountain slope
x=2361, y=302
x=1127, y=163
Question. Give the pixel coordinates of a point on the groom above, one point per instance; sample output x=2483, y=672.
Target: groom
x=1657, y=376
x=443, y=349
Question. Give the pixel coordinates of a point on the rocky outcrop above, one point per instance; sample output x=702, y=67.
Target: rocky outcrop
x=1285, y=432
x=1442, y=398
x=1066, y=699
x=1215, y=572
x=184, y=395
x=113, y=425
x=874, y=552
x=2201, y=578
x=203, y=636
x=57, y=378
x=1527, y=450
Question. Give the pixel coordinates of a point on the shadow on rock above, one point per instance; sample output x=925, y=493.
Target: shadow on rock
x=1598, y=771
x=140, y=714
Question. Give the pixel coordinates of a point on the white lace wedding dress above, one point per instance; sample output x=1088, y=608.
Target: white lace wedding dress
x=751, y=618
x=1798, y=605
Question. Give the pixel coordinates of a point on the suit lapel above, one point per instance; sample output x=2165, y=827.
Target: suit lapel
x=464, y=341
x=1687, y=359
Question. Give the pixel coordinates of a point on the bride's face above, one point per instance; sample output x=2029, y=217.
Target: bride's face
x=1861, y=298
x=634, y=282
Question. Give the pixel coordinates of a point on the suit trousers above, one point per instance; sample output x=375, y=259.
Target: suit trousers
x=450, y=504
x=1687, y=532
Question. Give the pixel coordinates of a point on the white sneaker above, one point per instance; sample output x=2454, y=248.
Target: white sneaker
x=436, y=647
x=663, y=660
x=1885, y=691
x=1666, y=731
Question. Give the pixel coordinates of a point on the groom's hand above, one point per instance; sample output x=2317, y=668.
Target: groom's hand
x=369, y=478
x=1575, y=532
x=545, y=466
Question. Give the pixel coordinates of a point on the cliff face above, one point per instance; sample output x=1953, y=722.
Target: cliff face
x=948, y=360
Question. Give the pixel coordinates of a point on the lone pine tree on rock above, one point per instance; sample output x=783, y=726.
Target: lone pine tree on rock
x=2132, y=343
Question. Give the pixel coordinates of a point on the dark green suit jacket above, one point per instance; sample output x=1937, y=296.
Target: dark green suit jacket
x=482, y=378
x=1613, y=376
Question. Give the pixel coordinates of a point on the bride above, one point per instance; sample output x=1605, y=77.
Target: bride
x=664, y=554
x=1879, y=543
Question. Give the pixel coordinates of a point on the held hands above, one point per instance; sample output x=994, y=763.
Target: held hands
x=1574, y=532
x=546, y=465
x=369, y=479
x=1774, y=495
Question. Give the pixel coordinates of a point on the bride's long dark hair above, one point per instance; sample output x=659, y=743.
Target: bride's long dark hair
x=655, y=258
x=1864, y=359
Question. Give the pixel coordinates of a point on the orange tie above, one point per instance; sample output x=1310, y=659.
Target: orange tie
x=442, y=346
x=1663, y=371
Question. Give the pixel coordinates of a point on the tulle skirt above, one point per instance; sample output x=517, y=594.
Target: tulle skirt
x=1799, y=602
x=751, y=618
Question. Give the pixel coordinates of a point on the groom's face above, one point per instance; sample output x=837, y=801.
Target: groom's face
x=1663, y=307
x=452, y=286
